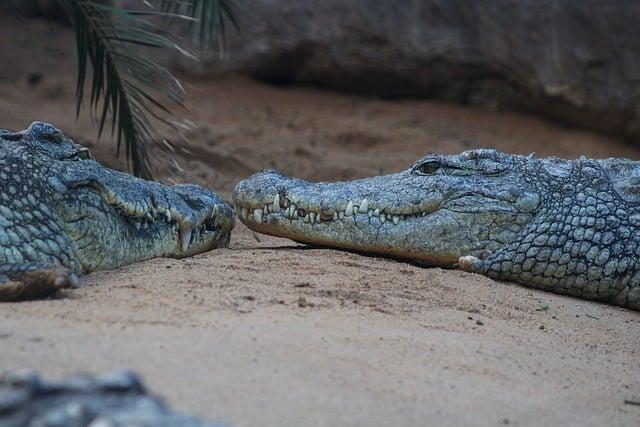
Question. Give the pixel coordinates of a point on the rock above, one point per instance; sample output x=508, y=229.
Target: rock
x=115, y=400
x=575, y=61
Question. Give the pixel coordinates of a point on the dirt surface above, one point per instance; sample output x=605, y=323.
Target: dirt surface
x=271, y=333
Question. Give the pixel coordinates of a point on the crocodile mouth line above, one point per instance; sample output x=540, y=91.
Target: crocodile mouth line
x=187, y=235
x=147, y=216
x=295, y=212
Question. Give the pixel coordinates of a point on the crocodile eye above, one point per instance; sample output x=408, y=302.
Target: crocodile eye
x=84, y=154
x=80, y=154
x=428, y=167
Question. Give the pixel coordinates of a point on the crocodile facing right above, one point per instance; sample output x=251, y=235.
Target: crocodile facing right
x=570, y=227
x=62, y=214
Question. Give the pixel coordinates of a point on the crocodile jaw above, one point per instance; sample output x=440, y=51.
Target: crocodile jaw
x=386, y=215
x=112, y=226
x=108, y=231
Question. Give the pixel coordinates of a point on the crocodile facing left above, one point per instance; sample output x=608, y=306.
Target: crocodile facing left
x=566, y=226
x=63, y=214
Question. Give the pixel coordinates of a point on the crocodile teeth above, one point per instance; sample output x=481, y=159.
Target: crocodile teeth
x=376, y=212
x=185, y=238
x=363, y=206
x=306, y=218
x=383, y=218
x=335, y=216
x=395, y=219
x=341, y=215
x=349, y=210
x=276, y=203
x=257, y=215
x=244, y=212
x=312, y=217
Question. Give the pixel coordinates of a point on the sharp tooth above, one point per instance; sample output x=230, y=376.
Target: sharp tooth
x=370, y=213
x=257, y=215
x=286, y=202
x=335, y=216
x=294, y=212
x=376, y=212
x=168, y=215
x=364, y=205
x=276, y=203
x=341, y=215
x=383, y=218
x=424, y=213
x=266, y=209
x=395, y=219
x=349, y=210
x=312, y=217
x=244, y=212
x=306, y=218
x=185, y=238
x=355, y=209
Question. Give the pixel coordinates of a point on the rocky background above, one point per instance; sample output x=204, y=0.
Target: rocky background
x=574, y=61
x=577, y=62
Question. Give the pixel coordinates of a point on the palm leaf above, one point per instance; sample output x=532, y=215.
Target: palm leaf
x=208, y=17
x=137, y=92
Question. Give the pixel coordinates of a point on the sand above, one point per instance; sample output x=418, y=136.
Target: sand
x=270, y=333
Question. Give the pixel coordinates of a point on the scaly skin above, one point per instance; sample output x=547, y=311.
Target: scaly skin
x=117, y=399
x=62, y=214
x=570, y=227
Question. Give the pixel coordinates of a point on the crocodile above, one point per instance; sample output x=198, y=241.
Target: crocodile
x=114, y=399
x=567, y=226
x=63, y=214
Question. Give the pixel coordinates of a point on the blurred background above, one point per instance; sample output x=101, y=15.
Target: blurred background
x=338, y=90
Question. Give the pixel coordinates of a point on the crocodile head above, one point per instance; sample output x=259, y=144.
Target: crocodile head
x=441, y=208
x=59, y=205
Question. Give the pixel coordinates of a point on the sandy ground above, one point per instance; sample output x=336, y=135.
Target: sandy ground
x=271, y=333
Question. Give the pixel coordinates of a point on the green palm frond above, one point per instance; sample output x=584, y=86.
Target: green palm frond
x=127, y=87
x=209, y=17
